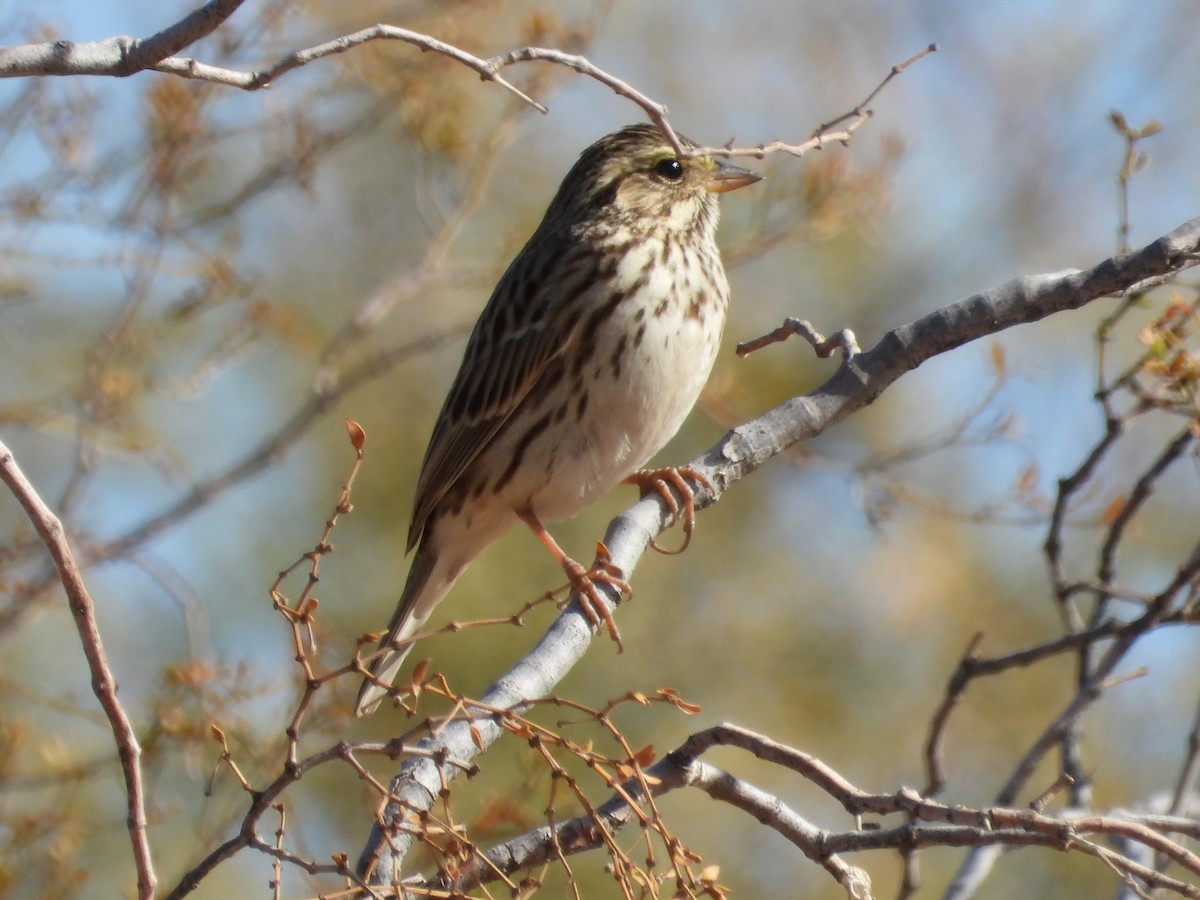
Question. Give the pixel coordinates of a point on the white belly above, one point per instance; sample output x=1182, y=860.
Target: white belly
x=651, y=360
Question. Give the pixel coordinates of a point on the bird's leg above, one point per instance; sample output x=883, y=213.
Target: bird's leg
x=660, y=481
x=583, y=581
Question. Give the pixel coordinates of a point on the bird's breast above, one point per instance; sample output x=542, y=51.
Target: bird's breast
x=633, y=376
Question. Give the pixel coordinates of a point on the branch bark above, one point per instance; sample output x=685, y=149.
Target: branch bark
x=118, y=56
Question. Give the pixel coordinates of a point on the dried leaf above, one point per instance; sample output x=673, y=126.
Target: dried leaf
x=1177, y=308
x=358, y=437
x=1152, y=338
x=420, y=670
x=1114, y=509
x=1027, y=480
x=999, y=361
x=670, y=695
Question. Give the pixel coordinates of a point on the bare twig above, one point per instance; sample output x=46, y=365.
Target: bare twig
x=122, y=56
x=1132, y=163
x=934, y=770
x=50, y=530
x=1099, y=678
x=822, y=134
x=1185, y=785
x=843, y=340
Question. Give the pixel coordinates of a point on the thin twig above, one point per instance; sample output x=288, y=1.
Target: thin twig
x=123, y=56
x=50, y=530
x=822, y=134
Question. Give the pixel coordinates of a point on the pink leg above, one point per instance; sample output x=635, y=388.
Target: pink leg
x=583, y=581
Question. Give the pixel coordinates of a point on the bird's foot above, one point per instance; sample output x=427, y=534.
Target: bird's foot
x=661, y=481
x=584, y=583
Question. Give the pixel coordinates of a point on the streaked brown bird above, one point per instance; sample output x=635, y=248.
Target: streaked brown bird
x=589, y=355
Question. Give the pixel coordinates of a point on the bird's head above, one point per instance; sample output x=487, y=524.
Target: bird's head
x=635, y=176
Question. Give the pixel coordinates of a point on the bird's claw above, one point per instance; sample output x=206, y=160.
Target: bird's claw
x=591, y=601
x=660, y=481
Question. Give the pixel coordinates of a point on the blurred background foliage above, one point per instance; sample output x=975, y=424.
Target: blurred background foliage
x=186, y=269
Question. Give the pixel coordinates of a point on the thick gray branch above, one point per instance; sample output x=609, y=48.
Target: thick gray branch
x=120, y=55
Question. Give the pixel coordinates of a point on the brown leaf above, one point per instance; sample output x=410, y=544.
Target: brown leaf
x=420, y=670
x=672, y=696
x=522, y=731
x=1027, y=480
x=358, y=437
x=1177, y=308
x=999, y=362
x=1114, y=509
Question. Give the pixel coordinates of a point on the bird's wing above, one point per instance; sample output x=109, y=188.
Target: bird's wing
x=519, y=335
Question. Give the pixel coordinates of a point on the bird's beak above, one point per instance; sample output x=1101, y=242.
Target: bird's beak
x=728, y=177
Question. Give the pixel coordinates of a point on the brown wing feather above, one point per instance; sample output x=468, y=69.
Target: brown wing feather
x=510, y=349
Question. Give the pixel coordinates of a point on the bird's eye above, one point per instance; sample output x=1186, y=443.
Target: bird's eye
x=670, y=169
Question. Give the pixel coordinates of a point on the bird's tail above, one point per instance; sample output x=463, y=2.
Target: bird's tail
x=426, y=585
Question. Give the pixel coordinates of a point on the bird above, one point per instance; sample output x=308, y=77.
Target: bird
x=587, y=358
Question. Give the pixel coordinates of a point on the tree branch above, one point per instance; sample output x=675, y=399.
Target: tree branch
x=122, y=56
x=929, y=823
x=50, y=530
x=119, y=56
